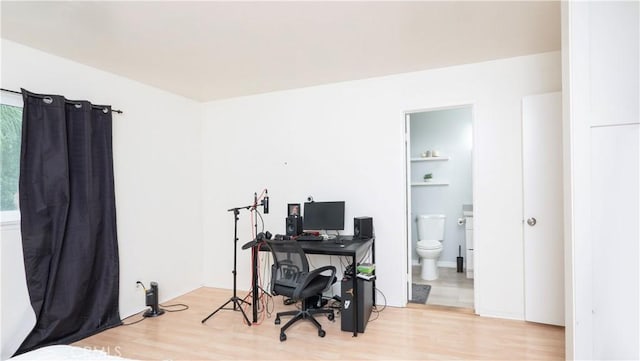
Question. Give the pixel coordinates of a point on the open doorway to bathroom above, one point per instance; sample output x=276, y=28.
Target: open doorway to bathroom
x=440, y=206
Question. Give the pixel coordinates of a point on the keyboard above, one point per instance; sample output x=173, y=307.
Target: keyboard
x=308, y=237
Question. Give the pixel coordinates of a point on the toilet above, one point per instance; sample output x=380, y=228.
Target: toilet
x=429, y=247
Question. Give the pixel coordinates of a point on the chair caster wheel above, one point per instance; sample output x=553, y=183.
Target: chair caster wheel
x=283, y=337
x=331, y=317
x=277, y=320
x=321, y=333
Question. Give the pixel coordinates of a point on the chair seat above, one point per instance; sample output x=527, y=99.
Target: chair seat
x=313, y=288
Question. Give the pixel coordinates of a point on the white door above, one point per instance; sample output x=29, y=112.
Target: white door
x=543, y=209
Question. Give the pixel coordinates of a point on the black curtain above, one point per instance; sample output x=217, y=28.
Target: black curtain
x=68, y=219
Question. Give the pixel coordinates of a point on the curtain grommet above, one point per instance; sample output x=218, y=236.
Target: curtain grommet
x=47, y=100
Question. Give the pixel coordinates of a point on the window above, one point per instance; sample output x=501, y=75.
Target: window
x=10, y=138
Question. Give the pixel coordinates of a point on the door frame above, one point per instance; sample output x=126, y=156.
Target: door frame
x=407, y=191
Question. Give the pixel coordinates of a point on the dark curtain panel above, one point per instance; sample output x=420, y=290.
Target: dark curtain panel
x=67, y=206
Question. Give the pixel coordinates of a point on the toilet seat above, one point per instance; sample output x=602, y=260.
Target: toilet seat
x=429, y=245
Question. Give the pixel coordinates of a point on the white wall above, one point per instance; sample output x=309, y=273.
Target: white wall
x=601, y=69
x=345, y=141
x=450, y=132
x=157, y=160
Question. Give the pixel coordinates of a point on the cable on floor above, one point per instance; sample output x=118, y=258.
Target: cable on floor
x=375, y=307
x=134, y=322
x=184, y=307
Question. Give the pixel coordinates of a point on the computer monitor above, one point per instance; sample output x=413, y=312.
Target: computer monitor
x=323, y=216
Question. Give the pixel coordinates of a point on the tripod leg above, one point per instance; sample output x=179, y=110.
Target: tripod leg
x=218, y=309
x=236, y=301
x=241, y=300
x=264, y=292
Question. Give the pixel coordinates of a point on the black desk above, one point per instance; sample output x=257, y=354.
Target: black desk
x=341, y=246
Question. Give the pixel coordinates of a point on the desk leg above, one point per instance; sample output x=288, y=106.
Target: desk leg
x=373, y=260
x=254, y=281
x=356, y=299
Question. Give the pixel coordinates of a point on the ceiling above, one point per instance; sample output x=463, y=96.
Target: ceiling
x=214, y=50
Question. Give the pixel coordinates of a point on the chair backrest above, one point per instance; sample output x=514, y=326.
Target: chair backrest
x=290, y=264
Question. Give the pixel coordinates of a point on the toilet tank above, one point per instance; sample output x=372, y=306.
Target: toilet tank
x=431, y=227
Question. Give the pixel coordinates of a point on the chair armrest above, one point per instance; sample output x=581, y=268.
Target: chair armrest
x=311, y=276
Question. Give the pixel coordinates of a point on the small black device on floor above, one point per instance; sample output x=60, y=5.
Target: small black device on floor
x=151, y=297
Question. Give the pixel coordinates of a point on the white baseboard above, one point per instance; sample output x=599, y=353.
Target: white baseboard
x=498, y=314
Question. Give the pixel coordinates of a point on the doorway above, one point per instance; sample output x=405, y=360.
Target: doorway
x=439, y=168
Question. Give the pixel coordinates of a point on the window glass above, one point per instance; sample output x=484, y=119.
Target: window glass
x=10, y=138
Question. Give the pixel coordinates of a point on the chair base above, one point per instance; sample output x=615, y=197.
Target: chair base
x=304, y=314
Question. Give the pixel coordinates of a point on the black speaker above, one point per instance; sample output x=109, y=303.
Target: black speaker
x=293, y=225
x=363, y=227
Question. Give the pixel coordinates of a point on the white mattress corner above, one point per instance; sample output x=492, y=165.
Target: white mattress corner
x=65, y=352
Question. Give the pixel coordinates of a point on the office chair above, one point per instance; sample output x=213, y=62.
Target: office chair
x=290, y=277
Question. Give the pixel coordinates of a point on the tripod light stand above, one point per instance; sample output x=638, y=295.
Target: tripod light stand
x=237, y=301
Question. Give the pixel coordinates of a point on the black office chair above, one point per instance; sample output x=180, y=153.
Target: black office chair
x=290, y=277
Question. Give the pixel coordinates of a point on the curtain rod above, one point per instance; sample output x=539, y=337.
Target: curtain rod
x=17, y=92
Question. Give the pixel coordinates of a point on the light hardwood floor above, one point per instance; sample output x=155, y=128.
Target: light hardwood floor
x=413, y=333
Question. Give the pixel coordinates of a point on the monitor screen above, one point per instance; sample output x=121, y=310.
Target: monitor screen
x=323, y=216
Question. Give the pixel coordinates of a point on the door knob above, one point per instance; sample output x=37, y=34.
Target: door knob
x=531, y=221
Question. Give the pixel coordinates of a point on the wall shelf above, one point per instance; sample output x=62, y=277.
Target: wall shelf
x=432, y=183
x=427, y=159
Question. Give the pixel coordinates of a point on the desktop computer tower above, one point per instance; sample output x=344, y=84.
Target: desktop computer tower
x=365, y=304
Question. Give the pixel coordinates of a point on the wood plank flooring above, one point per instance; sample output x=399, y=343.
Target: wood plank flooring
x=419, y=332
